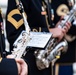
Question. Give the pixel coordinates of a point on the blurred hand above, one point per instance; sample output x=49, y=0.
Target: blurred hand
x=57, y=33
x=60, y=32
x=21, y=65
x=67, y=26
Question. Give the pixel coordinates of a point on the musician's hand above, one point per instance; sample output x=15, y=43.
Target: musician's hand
x=67, y=26
x=21, y=65
x=57, y=33
x=10, y=56
x=60, y=32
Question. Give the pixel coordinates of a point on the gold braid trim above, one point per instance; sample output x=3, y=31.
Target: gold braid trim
x=46, y=17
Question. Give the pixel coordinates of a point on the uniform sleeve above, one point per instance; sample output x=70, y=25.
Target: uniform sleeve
x=8, y=67
x=14, y=22
x=26, y=4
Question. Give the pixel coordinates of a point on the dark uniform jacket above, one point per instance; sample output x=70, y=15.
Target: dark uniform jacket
x=37, y=22
x=8, y=67
x=33, y=9
x=15, y=25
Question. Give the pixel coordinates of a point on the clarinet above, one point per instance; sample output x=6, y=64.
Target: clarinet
x=21, y=42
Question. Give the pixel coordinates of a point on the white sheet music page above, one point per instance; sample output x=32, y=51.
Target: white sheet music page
x=39, y=39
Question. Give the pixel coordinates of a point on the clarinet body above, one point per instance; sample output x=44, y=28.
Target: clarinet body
x=21, y=42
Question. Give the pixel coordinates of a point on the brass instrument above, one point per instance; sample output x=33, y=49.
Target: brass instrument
x=45, y=57
x=70, y=37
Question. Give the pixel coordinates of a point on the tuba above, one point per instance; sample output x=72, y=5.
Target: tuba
x=54, y=48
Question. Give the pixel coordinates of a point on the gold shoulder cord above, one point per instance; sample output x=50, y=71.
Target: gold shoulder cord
x=44, y=6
